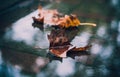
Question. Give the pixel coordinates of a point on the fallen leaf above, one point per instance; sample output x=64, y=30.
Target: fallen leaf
x=60, y=51
x=54, y=18
x=58, y=38
x=78, y=51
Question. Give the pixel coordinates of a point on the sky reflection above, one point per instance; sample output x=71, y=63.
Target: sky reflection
x=106, y=52
x=101, y=32
x=65, y=68
x=22, y=30
x=81, y=40
x=102, y=50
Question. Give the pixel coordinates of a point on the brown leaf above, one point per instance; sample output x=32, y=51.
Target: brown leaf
x=80, y=48
x=58, y=38
x=59, y=51
x=78, y=51
x=54, y=18
x=64, y=51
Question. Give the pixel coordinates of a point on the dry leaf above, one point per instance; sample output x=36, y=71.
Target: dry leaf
x=54, y=18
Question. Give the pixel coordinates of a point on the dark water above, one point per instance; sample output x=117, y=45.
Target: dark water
x=23, y=48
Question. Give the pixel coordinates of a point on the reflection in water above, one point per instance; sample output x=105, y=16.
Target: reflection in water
x=82, y=39
x=96, y=49
x=118, y=38
x=101, y=31
x=0, y=58
x=22, y=30
x=114, y=2
x=64, y=30
x=68, y=65
x=104, y=58
x=89, y=71
x=107, y=52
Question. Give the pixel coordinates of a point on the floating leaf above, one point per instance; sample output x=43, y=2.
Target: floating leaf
x=54, y=18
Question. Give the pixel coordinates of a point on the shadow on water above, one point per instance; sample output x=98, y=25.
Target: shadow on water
x=23, y=48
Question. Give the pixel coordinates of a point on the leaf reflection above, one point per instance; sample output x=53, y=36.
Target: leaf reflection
x=63, y=31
